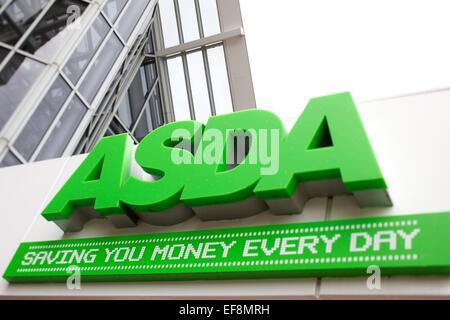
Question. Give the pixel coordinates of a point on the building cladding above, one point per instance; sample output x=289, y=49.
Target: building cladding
x=73, y=71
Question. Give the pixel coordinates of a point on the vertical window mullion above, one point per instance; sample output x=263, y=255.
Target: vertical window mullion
x=184, y=60
x=199, y=19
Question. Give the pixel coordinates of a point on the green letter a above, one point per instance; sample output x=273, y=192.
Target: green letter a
x=96, y=183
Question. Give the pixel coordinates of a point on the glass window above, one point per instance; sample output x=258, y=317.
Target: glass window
x=52, y=31
x=63, y=131
x=151, y=117
x=113, y=8
x=188, y=17
x=168, y=23
x=9, y=160
x=17, y=17
x=86, y=49
x=115, y=127
x=150, y=74
x=124, y=111
x=100, y=68
x=16, y=79
x=130, y=18
x=156, y=109
x=210, y=17
x=199, y=86
x=3, y=53
x=178, y=89
x=219, y=80
x=42, y=118
x=150, y=48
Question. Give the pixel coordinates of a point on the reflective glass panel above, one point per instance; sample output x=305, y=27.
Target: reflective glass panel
x=124, y=111
x=17, y=17
x=100, y=68
x=115, y=127
x=199, y=87
x=9, y=160
x=63, y=131
x=178, y=89
x=168, y=23
x=219, y=80
x=151, y=117
x=86, y=49
x=3, y=53
x=188, y=17
x=210, y=17
x=55, y=28
x=42, y=118
x=16, y=79
x=113, y=8
x=131, y=16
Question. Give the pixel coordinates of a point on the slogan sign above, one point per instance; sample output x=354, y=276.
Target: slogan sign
x=406, y=244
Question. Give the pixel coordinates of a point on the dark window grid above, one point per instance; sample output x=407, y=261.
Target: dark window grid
x=113, y=26
x=34, y=24
x=15, y=25
x=119, y=15
x=109, y=102
x=12, y=52
x=5, y=5
x=142, y=108
x=47, y=101
x=116, y=83
x=53, y=125
x=88, y=68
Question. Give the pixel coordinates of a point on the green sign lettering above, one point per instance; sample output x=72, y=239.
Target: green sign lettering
x=235, y=166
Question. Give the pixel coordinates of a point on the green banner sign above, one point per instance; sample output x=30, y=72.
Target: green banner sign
x=405, y=244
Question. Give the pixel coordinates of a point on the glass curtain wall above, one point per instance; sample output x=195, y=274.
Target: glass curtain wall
x=32, y=33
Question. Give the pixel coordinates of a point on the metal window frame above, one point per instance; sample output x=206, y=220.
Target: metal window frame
x=231, y=37
x=53, y=70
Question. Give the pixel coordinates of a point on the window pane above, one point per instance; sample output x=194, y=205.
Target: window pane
x=151, y=74
x=219, y=79
x=199, y=87
x=16, y=19
x=100, y=68
x=115, y=127
x=112, y=9
x=42, y=118
x=168, y=23
x=63, y=131
x=52, y=31
x=188, y=20
x=156, y=109
x=124, y=111
x=151, y=117
x=86, y=50
x=144, y=125
x=150, y=48
x=9, y=160
x=210, y=17
x=16, y=79
x=129, y=19
x=178, y=89
x=3, y=53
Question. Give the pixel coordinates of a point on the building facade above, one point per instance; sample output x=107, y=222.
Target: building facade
x=75, y=71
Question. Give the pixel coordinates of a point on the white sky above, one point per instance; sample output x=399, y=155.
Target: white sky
x=301, y=49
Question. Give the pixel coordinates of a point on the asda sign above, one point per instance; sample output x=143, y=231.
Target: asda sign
x=235, y=166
